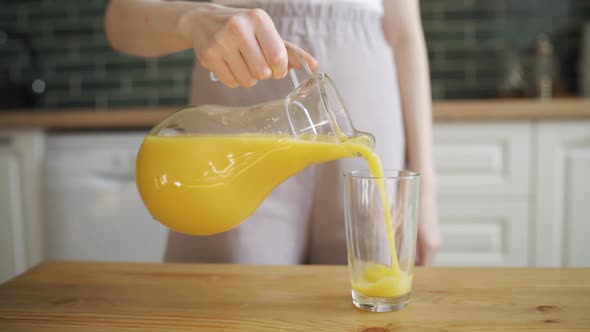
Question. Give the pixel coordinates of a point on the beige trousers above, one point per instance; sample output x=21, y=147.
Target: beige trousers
x=302, y=220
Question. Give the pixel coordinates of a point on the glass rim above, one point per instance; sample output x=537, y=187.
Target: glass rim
x=399, y=174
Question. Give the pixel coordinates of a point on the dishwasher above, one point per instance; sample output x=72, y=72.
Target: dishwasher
x=93, y=209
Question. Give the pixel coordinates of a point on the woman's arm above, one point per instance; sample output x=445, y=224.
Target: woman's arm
x=241, y=46
x=403, y=30
x=148, y=28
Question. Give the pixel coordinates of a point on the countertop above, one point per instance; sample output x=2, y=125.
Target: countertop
x=76, y=296
x=146, y=117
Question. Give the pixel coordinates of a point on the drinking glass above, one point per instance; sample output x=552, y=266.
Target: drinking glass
x=381, y=215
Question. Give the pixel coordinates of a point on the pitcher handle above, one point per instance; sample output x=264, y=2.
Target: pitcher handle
x=292, y=73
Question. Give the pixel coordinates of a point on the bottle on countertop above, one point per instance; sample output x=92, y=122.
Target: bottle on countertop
x=513, y=83
x=543, y=67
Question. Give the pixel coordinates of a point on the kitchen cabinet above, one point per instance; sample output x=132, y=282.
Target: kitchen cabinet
x=94, y=210
x=484, y=189
x=21, y=227
x=514, y=193
x=484, y=232
x=483, y=159
x=11, y=242
x=511, y=193
x=563, y=194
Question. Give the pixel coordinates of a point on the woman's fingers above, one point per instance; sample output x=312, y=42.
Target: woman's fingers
x=240, y=69
x=311, y=61
x=248, y=48
x=429, y=242
x=294, y=60
x=255, y=59
x=213, y=61
x=227, y=44
x=270, y=43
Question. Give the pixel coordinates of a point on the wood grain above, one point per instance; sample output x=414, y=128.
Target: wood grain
x=74, y=296
x=512, y=110
x=144, y=118
x=124, y=118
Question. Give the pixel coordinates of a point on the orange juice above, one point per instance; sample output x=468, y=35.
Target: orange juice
x=382, y=281
x=379, y=280
x=204, y=185
x=208, y=184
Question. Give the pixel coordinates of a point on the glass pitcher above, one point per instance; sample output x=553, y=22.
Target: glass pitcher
x=203, y=170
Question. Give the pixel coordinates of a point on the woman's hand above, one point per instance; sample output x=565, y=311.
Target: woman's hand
x=429, y=237
x=429, y=242
x=240, y=46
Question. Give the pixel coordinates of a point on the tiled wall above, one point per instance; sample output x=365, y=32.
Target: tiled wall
x=468, y=41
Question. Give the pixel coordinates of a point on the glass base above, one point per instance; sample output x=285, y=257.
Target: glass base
x=379, y=304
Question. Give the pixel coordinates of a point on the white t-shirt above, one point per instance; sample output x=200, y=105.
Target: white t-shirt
x=372, y=4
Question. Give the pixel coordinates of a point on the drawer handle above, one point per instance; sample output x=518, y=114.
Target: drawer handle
x=116, y=177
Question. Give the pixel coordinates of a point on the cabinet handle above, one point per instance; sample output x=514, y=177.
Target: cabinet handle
x=5, y=140
x=116, y=177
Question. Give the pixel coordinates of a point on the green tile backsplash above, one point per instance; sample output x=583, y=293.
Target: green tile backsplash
x=468, y=42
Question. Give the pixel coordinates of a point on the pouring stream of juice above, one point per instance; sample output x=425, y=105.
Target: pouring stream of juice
x=208, y=184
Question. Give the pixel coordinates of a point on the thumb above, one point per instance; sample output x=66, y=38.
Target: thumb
x=295, y=54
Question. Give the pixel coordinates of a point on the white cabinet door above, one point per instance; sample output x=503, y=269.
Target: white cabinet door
x=563, y=201
x=94, y=211
x=484, y=193
x=21, y=232
x=487, y=159
x=11, y=240
x=479, y=232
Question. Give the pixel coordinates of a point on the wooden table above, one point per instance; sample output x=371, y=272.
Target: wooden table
x=72, y=296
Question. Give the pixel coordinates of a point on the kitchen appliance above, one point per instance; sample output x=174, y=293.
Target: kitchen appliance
x=93, y=210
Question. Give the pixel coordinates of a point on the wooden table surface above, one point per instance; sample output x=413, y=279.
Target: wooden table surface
x=77, y=296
